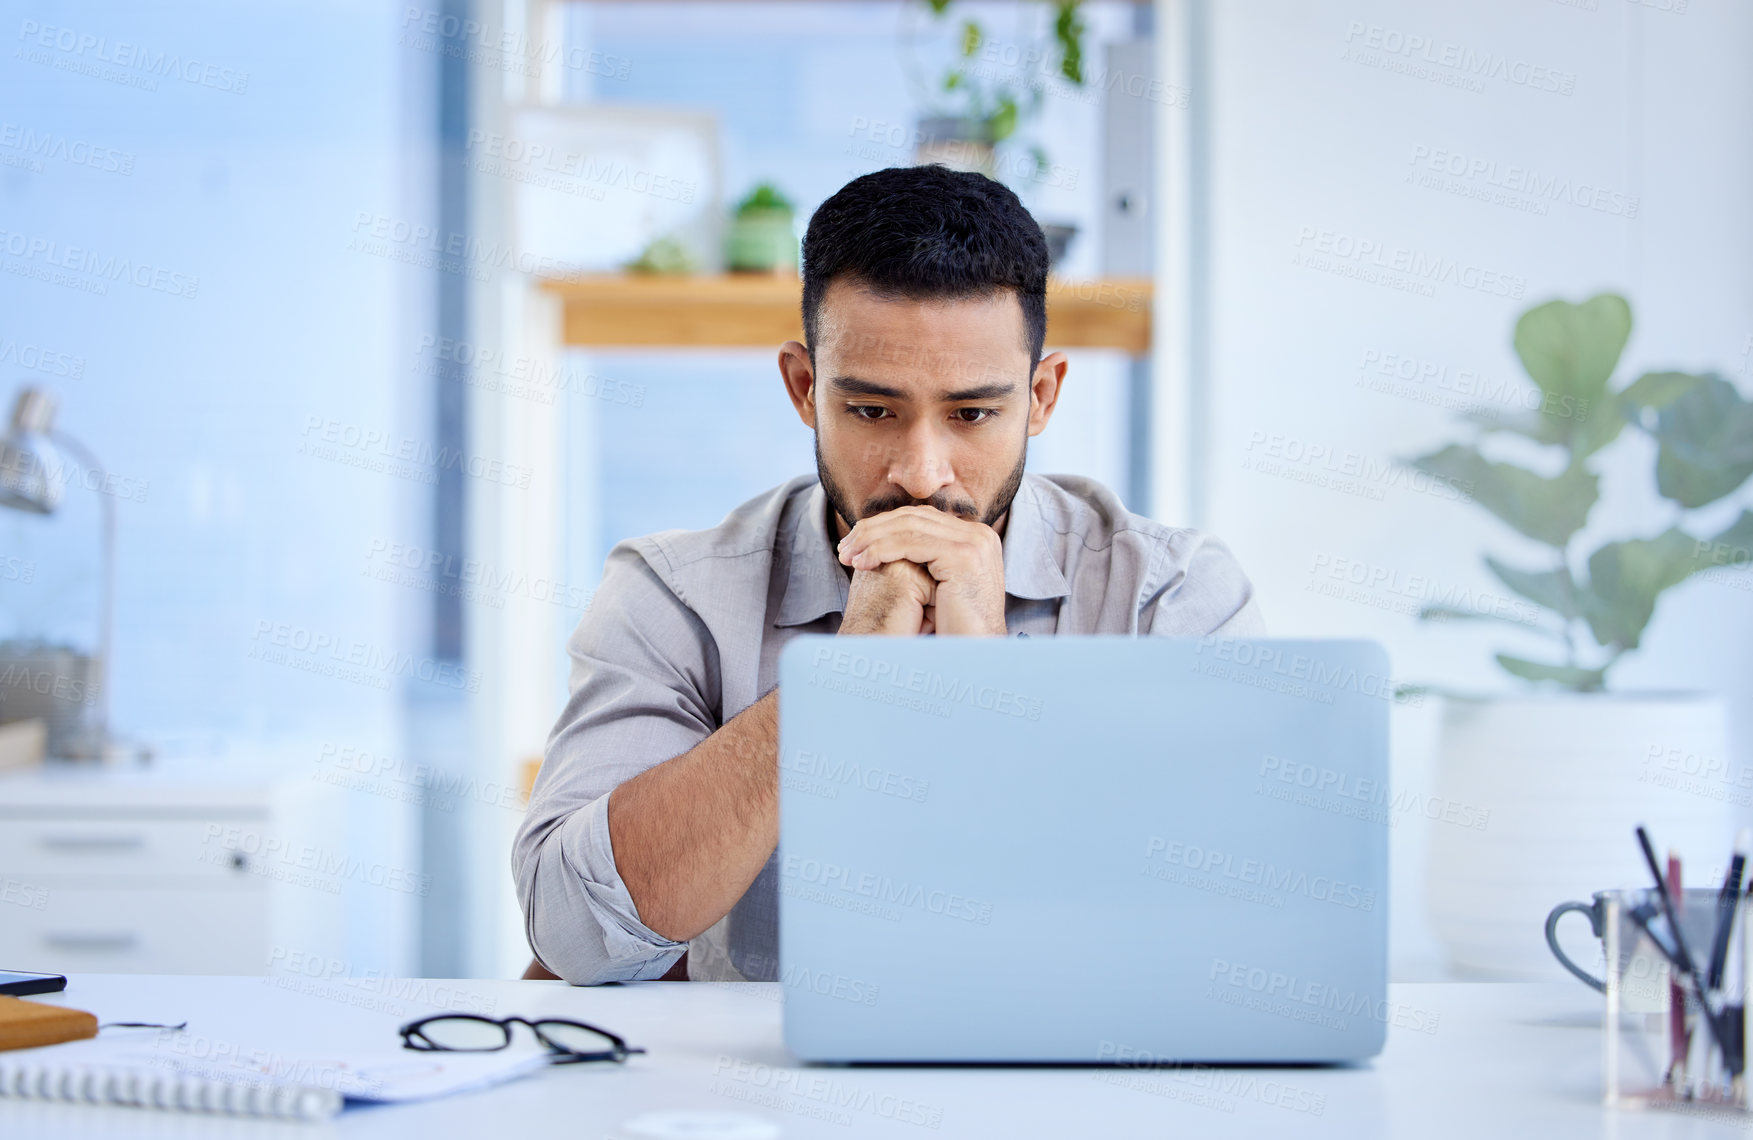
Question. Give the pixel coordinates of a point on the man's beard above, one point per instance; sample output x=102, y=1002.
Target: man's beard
x=963, y=508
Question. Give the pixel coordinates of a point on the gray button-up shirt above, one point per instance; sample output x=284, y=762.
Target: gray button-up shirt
x=684, y=633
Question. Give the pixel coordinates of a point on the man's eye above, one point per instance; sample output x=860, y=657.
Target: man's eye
x=975, y=415
x=872, y=412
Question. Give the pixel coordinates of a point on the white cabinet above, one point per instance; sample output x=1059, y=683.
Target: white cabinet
x=191, y=870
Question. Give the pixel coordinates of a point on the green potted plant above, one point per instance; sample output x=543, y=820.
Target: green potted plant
x=762, y=238
x=1564, y=769
x=982, y=97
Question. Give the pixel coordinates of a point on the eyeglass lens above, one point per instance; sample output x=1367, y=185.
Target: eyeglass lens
x=466, y=1033
x=576, y=1038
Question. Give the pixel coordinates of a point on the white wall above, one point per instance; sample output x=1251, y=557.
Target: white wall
x=179, y=190
x=1305, y=137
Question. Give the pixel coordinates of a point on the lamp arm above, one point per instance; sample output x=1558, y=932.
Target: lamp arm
x=107, y=603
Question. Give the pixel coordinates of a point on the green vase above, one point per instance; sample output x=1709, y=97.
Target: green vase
x=761, y=241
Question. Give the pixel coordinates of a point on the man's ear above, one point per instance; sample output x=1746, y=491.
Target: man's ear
x=800, y=380
x=1044, y=390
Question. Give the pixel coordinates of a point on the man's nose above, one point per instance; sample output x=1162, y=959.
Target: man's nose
x=922, y=467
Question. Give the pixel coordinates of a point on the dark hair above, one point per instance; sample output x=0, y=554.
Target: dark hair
x=924, y=233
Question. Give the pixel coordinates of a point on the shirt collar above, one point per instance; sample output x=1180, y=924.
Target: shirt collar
x=817, y=584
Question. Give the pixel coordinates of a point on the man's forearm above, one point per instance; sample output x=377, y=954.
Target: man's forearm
x=692, y=833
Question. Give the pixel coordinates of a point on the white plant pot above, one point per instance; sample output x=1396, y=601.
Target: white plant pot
x=1559, y=783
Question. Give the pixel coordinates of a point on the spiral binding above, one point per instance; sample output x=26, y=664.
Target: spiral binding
x=144, y=1088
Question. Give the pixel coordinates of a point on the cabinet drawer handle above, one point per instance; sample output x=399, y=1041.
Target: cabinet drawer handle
x=90, y=943
x=86, y=844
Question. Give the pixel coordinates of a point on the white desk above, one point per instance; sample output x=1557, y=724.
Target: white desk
x=1505, y=1061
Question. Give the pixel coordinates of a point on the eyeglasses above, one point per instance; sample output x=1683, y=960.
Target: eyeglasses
x=571, y=1042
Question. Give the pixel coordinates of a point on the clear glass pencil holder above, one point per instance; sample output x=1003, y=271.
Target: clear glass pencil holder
x=1662, y=1046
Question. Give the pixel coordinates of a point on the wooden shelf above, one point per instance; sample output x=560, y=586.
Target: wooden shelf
x=738, y=310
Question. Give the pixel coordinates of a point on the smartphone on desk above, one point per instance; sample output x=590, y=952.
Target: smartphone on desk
x=19, y=984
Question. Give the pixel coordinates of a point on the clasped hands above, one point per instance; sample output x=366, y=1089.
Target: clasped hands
x=918, y=570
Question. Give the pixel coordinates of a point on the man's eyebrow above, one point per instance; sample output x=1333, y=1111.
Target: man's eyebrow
x=853, y=386
x=980, y=392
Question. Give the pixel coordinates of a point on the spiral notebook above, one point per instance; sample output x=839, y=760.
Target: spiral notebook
x=187, y=1072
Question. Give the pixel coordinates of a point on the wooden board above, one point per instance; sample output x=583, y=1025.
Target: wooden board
x=27, y=1024
x=735, y=310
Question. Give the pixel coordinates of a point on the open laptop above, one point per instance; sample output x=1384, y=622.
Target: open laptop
x=1083, y=849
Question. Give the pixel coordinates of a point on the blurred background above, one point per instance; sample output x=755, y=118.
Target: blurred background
x=344, y=339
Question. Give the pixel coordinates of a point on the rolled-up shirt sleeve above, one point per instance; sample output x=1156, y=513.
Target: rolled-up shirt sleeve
x=1198, y=589
x=644, y=689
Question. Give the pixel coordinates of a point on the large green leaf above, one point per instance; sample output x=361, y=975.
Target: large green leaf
x=1705, y=435
x=1625, y=579
x=1549, y=510
x=1656, y=390
x=1569, y=676
x=1552, y=589
x=1571, y=350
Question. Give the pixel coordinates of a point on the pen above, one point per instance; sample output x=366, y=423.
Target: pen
x=1734, y=1007
x=1725, y=912
x=1682, y=957
x=1734, y=1019
x=1679, y=1041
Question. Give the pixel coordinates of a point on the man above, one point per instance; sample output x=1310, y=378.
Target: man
x=654, y=820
